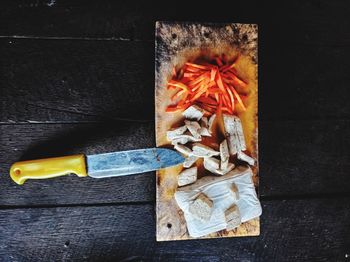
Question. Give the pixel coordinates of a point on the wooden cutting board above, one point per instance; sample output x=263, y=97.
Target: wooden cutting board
x=176, y=44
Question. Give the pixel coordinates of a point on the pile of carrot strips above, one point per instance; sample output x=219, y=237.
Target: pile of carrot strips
x=211, y=86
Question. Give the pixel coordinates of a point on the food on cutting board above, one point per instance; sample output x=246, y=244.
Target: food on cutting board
x=211, y=135
x=201, y=208
x=233, y=217
x=187, y=176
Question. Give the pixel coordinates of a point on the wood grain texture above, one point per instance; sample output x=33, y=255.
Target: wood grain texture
x=323, y=171
x=302, y=22
x=97, y=83
x=318, y=230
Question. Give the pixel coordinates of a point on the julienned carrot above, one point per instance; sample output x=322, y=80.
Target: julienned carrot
x=210, y=86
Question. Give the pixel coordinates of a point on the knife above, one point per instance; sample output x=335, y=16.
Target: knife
x=97, y=166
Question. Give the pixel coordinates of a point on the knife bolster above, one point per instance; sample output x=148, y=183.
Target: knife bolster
x=48, y=168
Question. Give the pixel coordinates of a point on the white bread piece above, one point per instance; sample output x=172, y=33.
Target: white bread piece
x=234, y=134
x=224, y=155
x=211, y=164
x=201, y=208
x=233, y=217
x=194, y=128
x=201, y=150
x=184, y=139
x=235, y=192
x=211, y=122
x=222, y=172
x=193, y=112
x=189, y=161
x=175, y=132
x=187, y=176
x=244, y=157
x=204, y=131
x=183, y=149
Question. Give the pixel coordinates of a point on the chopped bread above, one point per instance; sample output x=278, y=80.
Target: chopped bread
x=224, y=155
x=235, y=192
x=183, y=149
x=194, y=128
x=193, y=112
x=244, y=157
x=201, y=150
x=201, y=208
x=234, y=134
x=233, y=217
x=175, y=132
x=211, y=164
x=187, y=176
x=222, y=172
x=184, y=139
x=211, y=122
x=189, y=161
x=203, y=131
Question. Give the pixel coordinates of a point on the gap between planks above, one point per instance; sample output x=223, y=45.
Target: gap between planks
x=139, y=203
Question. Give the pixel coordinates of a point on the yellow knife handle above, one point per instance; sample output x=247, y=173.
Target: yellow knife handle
x=48, y=168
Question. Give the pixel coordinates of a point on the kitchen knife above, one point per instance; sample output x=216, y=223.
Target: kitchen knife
x=97, y=166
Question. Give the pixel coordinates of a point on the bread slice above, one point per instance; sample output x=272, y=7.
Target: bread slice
x=187, y=176
x=201, y=208
x=233, y=217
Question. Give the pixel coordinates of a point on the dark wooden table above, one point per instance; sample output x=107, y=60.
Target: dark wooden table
x=79, y=77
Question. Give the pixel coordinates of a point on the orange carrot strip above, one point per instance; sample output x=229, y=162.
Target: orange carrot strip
x=232, y=99
x=178, y=84
x=174, y=71
x=212, y=74
x=197, y=66
x=171, y=109
x=178, y=94
x=237, y=97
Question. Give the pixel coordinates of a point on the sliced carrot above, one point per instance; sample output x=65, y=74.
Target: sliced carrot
x=238, y=97
x=197, y=66
x=218, y=61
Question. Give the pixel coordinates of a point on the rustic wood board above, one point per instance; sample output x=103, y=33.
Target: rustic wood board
x=177, y=43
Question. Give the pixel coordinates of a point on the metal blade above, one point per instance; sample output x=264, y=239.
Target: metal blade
x=131, y=162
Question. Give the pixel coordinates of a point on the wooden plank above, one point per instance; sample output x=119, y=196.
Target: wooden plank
x=306, y=22
x=318, y=230
x=296, y=158
x=74, y=81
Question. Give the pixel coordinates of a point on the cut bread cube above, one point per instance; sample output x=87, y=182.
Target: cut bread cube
x=204, y=131
x=187, y=176
x=244, y=157
x=184, y=139
x=234, y=134
x=175, y=132
x=233, y=217
x=193, y=112
x=201, y=150
x=211, y=164
x=183, y=149
x=189, y=161
x=201, y=208
x=224, y=155
x=194, y=128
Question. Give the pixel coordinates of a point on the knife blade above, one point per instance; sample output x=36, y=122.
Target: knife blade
x=97, y=166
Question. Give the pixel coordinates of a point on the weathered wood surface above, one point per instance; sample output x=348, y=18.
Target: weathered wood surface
x=300, y=21
x=114, y=79
x=293, y=230
x=296, y=158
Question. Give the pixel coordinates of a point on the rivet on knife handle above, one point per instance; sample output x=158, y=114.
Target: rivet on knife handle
x=48, y=168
